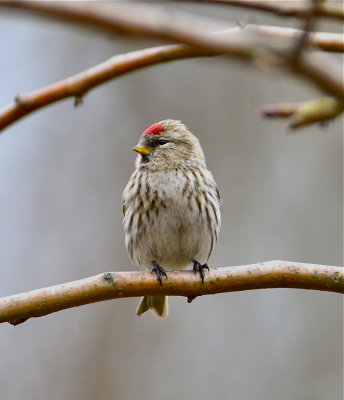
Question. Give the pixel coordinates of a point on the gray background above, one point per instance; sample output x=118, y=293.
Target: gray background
x=62, y=172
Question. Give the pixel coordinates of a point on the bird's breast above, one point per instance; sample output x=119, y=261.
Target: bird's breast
x=172, y=219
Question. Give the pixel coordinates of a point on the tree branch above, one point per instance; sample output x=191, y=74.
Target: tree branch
x=294, y=9
x=303, y=114
x=152, y=22
x=17, y=308
x=332, y=10
x=78, y=85
x=308, y=27
x=325, y=41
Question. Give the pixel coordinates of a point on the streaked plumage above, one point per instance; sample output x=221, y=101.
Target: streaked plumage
x=171, y=204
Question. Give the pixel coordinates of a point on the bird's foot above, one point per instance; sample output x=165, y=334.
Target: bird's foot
x=191, y=299
x=159, y=271
x=197, y=267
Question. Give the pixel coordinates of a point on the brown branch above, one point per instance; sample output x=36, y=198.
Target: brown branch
x=113, y=285
x=149, y=21
x=123, y=21
x=78, y=85
x=303, y=114
x=332, y=10
x=294, y=9
x=144, y=21
x=330, y=42
x=153, y=22
x=308, y=27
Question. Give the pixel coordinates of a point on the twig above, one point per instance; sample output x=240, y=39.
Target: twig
x=303, y=114
x=78, y=85
x=126, y=22
x=331, y=42
x=140, y=20
x=113, y=285
x=148, y=21
x=308, y=27
x=294, y=9
x=152, y=22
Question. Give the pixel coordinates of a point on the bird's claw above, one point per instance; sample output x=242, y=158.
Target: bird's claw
x=159, y=271
x=191, y=299
x=197, y=267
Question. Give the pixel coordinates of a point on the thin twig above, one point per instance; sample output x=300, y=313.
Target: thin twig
x=78, y=85
x=325, y=41
x=333, y=10
x=113, y=285
x=303, y=114
x=308, y=27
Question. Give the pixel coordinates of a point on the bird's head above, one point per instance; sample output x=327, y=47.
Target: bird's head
x=168, y=143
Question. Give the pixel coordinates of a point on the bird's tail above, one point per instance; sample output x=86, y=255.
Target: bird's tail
x=157, y=304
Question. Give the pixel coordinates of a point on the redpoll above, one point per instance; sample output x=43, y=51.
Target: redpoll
x=171, y=206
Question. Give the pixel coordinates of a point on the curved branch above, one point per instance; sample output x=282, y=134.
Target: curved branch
x=153, y=22
x=78, y=85
x=113, y=285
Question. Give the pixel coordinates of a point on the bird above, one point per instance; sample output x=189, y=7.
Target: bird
x=171, y=207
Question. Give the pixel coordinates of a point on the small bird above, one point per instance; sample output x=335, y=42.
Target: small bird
x=171, y=206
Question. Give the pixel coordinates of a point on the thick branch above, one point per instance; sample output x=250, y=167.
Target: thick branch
x=113, y=285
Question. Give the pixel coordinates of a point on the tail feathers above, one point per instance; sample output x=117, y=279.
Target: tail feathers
x=157, y=304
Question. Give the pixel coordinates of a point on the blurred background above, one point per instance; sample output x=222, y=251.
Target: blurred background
x=62, y=173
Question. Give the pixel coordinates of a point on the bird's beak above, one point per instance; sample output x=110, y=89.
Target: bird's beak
x=143, y=150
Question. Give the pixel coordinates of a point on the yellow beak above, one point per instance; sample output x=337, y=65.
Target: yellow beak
x=143, y=150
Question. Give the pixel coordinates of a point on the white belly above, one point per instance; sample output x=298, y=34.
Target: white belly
x=175, y=226
x=174, y=239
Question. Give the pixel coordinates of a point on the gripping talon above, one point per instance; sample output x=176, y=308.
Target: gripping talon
x=159, y=271
x=197, y=267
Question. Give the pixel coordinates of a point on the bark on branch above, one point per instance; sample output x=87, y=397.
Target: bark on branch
x=153, y=22
x=303, y=114
x=78, y=85
x=329, y=9
x=17, y=308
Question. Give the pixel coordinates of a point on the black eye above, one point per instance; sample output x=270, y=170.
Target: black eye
x=162, y=141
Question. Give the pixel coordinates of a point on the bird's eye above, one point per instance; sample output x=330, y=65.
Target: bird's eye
x=162, y=141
